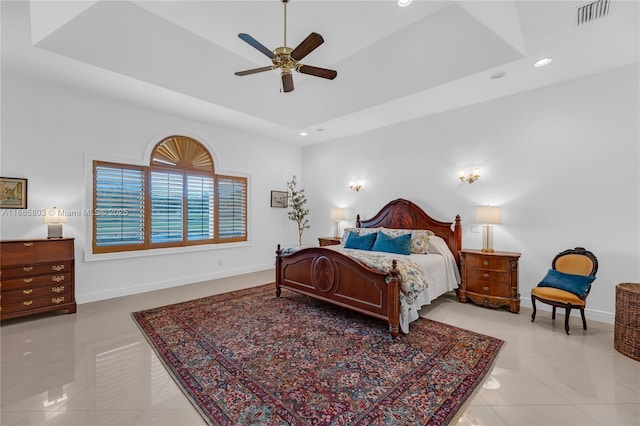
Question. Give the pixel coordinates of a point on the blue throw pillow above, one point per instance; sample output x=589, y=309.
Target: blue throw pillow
x=360, y=242
x=399, y=245
x=576, y=284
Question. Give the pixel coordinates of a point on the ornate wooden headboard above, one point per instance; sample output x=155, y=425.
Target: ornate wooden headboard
x=403, y=214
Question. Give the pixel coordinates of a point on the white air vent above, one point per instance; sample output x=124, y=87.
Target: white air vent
x=593, y=11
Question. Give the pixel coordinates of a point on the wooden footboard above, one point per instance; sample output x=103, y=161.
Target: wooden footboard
x=331, y=276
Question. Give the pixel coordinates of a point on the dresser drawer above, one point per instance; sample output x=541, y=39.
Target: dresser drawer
x=488, y=262
x=37, y=281
x=488, y=275
x=489, y=288
x=35, y=303
x=30, y=293
x=36, y=269
x=30, y=252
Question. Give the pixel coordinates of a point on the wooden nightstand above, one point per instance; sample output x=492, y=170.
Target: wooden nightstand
x=328, y=241
x=490, y=279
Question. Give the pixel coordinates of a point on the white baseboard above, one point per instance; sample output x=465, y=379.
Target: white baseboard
x=590, y=314
x=160, y=285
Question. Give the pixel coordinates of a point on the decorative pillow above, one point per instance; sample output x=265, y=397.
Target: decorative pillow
x=419, y=238
x=360, y=242
x=576, y=284
x=386, y=243
x=358, y=231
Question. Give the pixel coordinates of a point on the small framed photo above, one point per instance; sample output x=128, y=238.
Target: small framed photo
x=13, y=193
x=279, y=199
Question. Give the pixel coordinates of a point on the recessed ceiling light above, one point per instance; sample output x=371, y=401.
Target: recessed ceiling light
x=499, y=74
x=542, y=62
x=303, y=133
x=404, y=3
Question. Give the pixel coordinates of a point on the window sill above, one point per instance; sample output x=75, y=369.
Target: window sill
x=91, y=257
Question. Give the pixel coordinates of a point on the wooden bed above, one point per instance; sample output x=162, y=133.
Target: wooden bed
x=331, y=276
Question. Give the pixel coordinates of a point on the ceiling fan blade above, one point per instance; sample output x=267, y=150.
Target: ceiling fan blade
x=256, y=44
x=287, y=82
x=307, y=46
x=254, y=71
x=318, y=72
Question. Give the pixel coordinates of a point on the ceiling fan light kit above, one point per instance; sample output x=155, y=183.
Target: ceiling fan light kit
x=287, y=59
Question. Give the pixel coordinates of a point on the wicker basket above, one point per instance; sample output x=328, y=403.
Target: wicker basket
x=627, y=325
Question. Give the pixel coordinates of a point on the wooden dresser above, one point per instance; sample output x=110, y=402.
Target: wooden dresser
x=490, y=279
x=36, y=276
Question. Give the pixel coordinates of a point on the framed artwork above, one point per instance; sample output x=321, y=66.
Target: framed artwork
x=279, y=199
x=13, y=193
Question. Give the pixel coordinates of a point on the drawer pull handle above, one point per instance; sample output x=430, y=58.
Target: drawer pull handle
x=58, y=289
x=57, y=300
x=29, y=291
x=28, y=244
x=485, y=288
x=27, y=280
x=57, y=268
x=57, y=278
x=27, y=268
x=485, y=275
x=27, y=302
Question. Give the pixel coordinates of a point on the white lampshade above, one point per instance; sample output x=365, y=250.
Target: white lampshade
x=337, y=214
x=54, y=215
x=488, y=215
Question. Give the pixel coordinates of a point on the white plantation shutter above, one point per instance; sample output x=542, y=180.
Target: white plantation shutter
x=232, y=208
x=200, y=208
x=118, y=216
x=166, y=207
x=177, y=201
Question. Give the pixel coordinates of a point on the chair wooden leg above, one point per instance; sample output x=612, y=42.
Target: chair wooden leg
x=533, y=304
x=553, y=313
x=584, y=321
x=566, y=319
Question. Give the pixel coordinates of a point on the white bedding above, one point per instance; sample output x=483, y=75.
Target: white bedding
x=441, y=274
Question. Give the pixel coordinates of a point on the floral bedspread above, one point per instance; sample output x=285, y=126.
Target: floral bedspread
x=412, y=277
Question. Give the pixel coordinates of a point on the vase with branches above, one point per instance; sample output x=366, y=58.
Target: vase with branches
x=297, y=212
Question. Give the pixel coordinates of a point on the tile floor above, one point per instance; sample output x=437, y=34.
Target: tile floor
x=96, y=368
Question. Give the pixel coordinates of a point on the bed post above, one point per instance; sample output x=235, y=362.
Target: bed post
x=278, y=272
x=358, y=224
x=457, y=234
x=394, y=299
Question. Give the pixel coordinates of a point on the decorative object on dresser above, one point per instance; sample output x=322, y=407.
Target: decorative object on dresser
x=336, y=215
x=37, y=276
x=328, y=241
x=54, y=218
x=490, y=279
x=487, y=216
x=13, y=193
x=327, y=274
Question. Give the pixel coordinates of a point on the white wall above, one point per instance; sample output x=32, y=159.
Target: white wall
x=563, y=162
x=48, y=134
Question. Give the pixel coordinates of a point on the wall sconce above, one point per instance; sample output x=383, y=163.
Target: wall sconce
x=356, y=185
x=54, y=218
x=336, y=215
x=488, y=215
x=471, y=177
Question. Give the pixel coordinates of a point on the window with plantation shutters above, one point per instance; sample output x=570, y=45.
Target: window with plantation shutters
x=177, y=201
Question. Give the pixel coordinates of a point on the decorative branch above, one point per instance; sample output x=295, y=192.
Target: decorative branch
x=297, y=212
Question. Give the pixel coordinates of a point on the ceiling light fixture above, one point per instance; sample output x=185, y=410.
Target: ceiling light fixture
x=303, y=133
x=542, y=62
x=404, y=3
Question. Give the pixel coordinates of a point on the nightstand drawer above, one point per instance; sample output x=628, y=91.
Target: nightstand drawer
x=487, y=262
x=488, y=275
x=489, y=288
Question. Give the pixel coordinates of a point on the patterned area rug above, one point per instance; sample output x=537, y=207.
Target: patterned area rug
x=249, y=358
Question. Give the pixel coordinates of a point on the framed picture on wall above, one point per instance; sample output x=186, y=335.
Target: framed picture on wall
x=13, y=193
x=279, y=199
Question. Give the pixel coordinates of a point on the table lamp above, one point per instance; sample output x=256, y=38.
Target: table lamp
x=54, y=218
x=488, y=216
x=337, y=215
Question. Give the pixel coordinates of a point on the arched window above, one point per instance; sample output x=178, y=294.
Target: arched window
x=177, y=201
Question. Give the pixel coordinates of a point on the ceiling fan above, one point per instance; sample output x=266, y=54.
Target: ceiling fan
x=286, y=59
